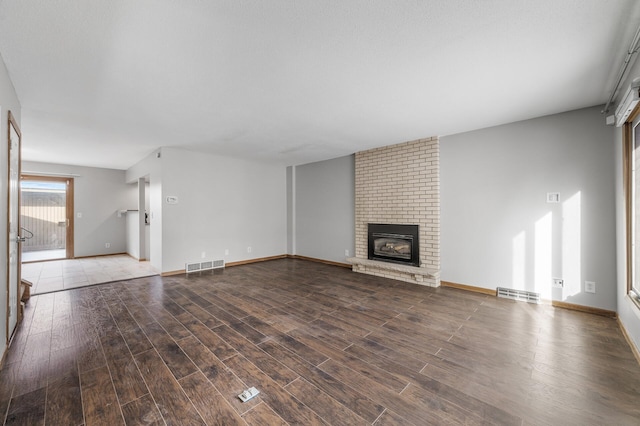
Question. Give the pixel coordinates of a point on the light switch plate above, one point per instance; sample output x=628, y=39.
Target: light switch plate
x=553, y=197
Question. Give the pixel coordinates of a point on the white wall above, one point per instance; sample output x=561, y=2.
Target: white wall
x=8, y=102
x=98, y=194
x=147, y=227
x=133, y=234
x=151, y=167
x=223, y=204
x=325, y=209
x=498, y=229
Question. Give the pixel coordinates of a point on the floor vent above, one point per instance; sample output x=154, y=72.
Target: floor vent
x=521, y=295
x=205, y=265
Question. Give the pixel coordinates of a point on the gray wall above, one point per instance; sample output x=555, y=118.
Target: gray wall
x=291, y=212
x=325, y=209
x=498, y=229
x=98, y=195
x=8, y=102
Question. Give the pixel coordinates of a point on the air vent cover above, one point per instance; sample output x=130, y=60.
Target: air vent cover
x=205, y=265
x=521, y=295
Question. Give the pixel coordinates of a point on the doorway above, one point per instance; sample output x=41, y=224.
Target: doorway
x=46, y=217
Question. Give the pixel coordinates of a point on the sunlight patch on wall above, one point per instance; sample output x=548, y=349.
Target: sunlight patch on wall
x=571, y=245
x=543, y=255
x=518, y=277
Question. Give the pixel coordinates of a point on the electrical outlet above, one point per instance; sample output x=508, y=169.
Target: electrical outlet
x=346, y=252
x=248, y=249
x=107, y=245
x=589, y=287
x=226, y=252
x=558, y=282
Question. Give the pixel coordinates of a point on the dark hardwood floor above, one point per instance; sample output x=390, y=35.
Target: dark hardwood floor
x=323, y=345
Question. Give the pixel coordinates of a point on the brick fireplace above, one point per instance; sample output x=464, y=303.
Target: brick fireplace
x=400, y=184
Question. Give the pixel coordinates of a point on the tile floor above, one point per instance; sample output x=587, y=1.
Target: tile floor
x=64, y=274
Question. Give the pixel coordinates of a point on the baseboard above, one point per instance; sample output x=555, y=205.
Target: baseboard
x=43, y=260
x=139, y=259
x=326, y=262
x=471, y=288
x=582, y=308
x=555, y=303
x=168, y=274
x=77, y=257
x=230, y=264
x=634, y=349
x=256, y=260
x=101, y=255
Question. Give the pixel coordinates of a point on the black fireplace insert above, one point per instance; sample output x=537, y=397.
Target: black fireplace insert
x=394, y=243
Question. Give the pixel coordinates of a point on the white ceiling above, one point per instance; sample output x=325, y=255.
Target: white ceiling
x=104, y=83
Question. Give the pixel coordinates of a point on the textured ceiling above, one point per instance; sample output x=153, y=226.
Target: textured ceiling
x=104, y=83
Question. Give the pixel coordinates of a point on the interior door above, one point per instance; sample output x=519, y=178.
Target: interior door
x=13, y=242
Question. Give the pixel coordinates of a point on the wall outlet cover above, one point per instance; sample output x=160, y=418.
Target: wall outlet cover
x=589, y=287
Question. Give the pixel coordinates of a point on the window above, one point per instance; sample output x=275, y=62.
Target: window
x=631, y=143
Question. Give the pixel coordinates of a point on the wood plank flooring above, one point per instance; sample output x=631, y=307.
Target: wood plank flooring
x=323, y=345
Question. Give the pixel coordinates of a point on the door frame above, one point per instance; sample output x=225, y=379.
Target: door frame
x=13, y=124
x=69, y=243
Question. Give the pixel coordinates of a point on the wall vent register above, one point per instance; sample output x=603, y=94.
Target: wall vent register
x=203, y=266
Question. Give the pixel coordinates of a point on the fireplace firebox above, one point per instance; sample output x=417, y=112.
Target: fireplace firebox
x=394, y=243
